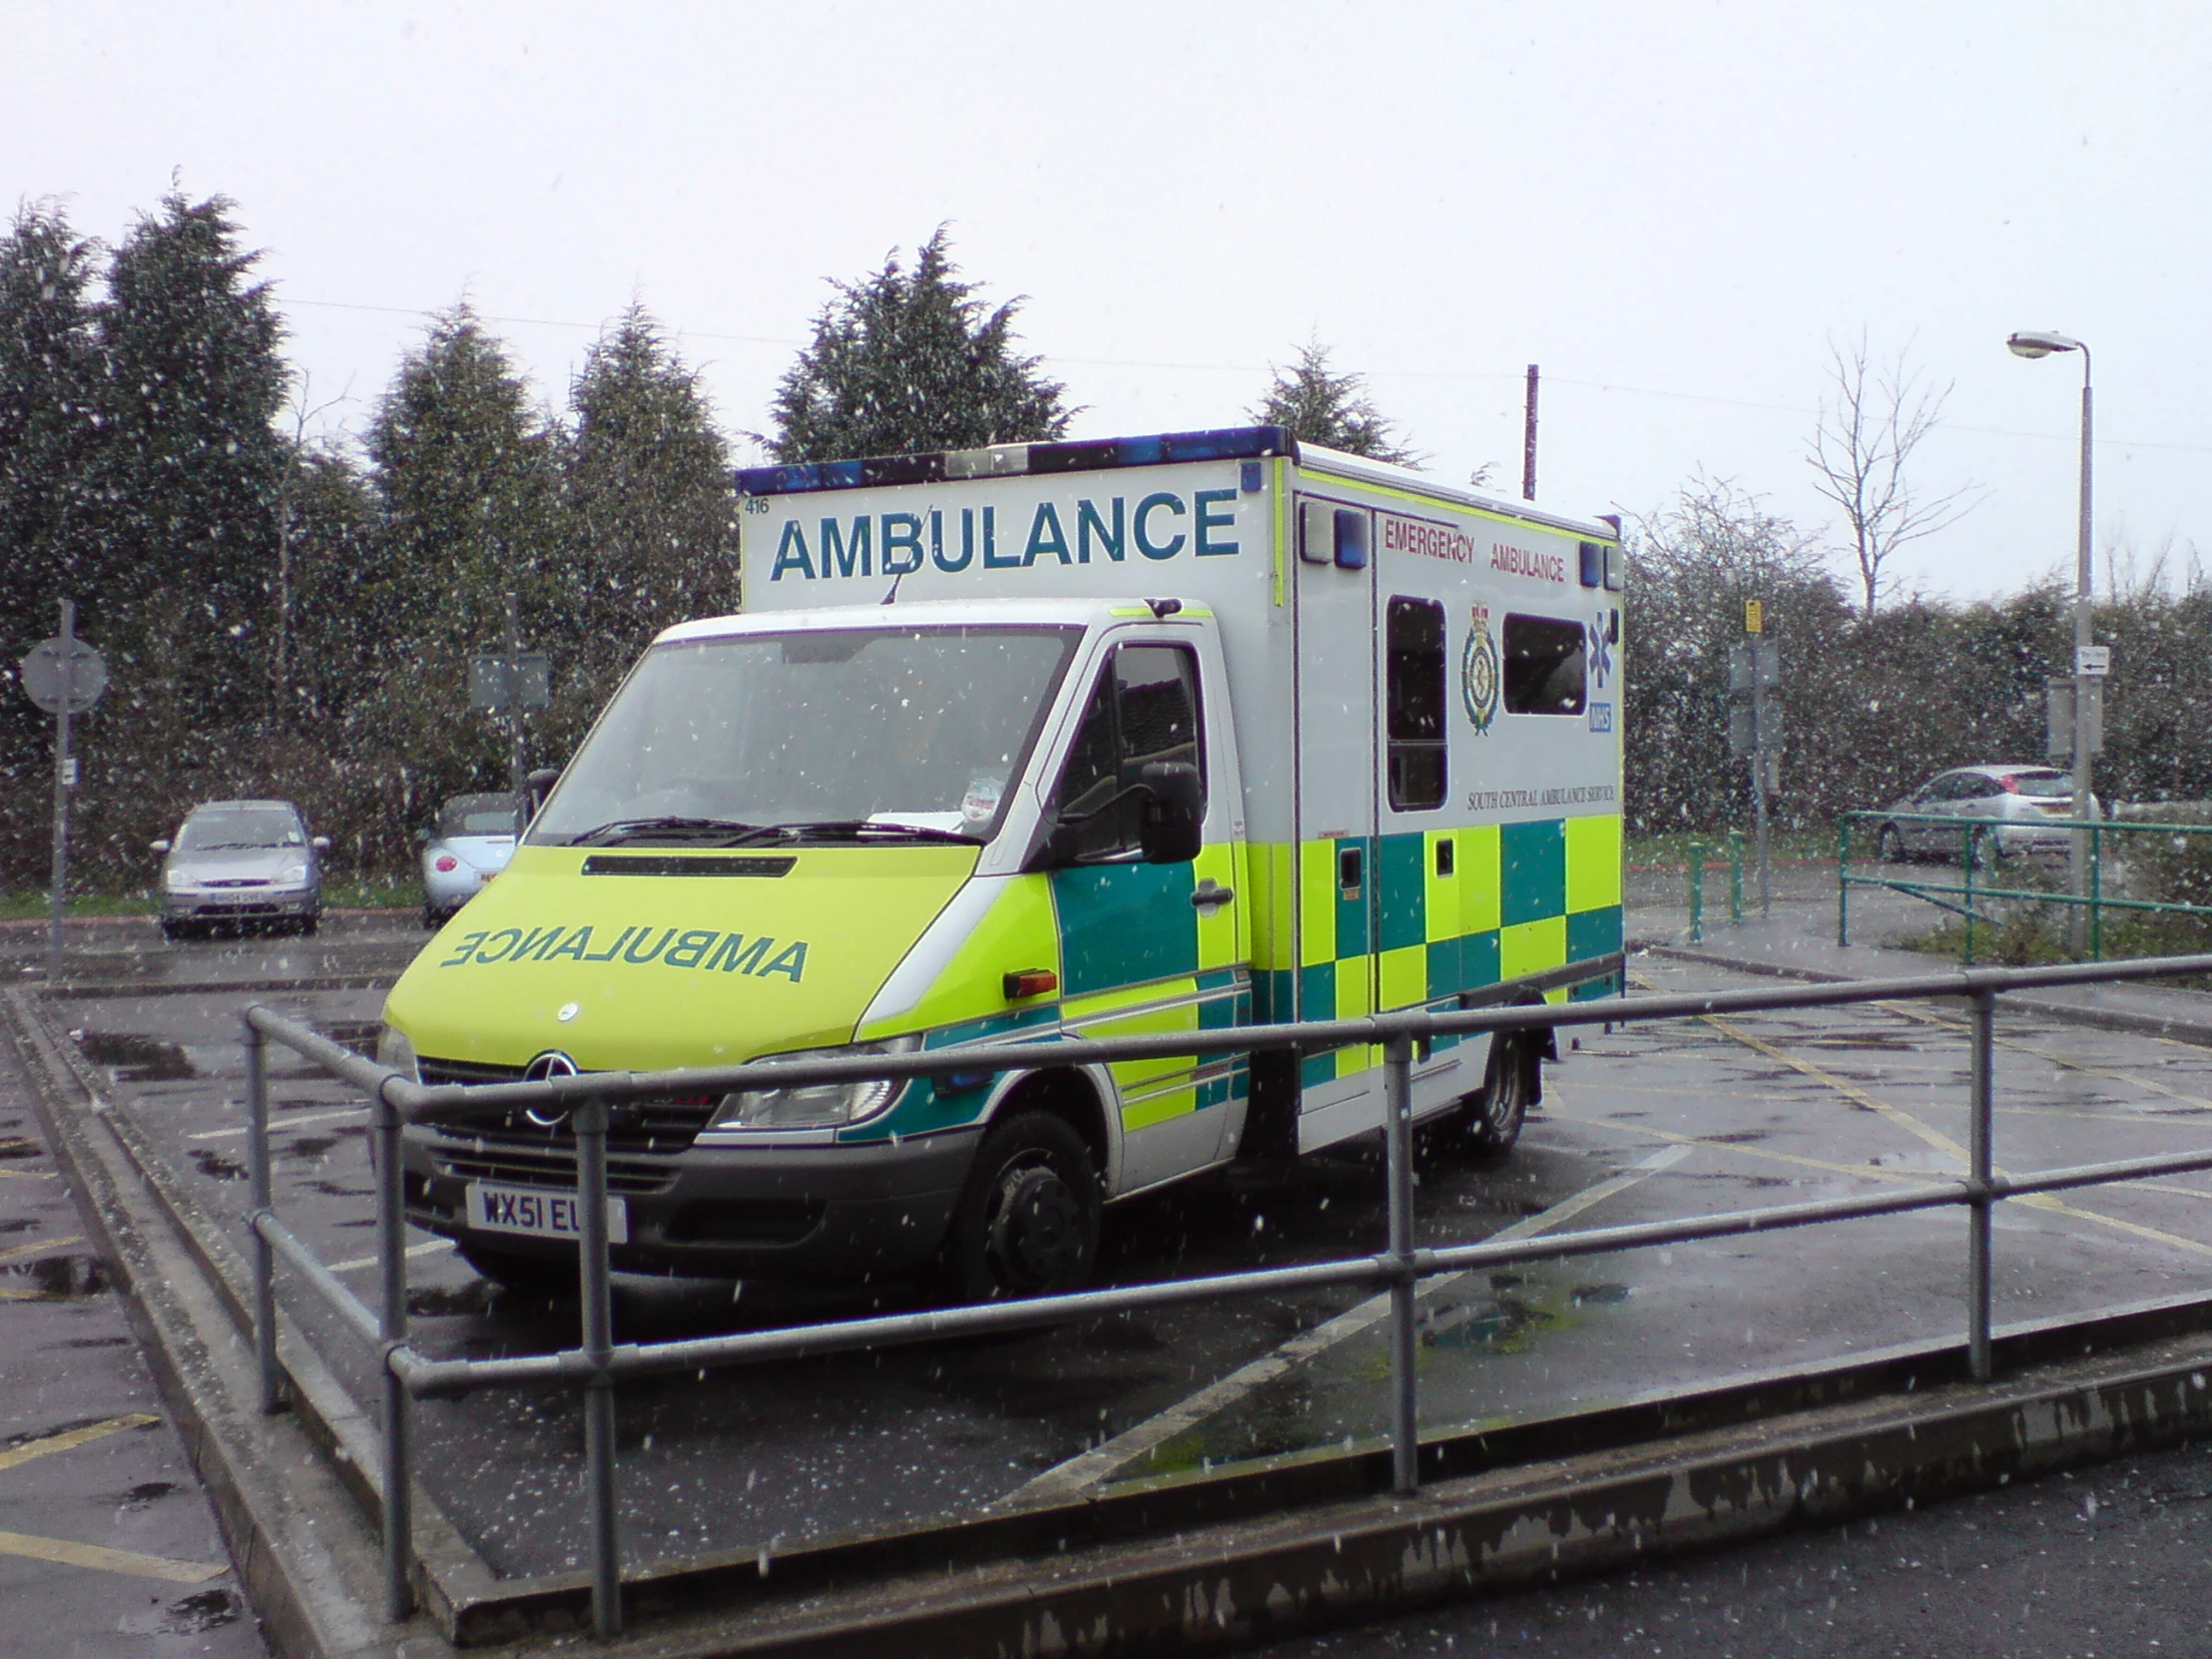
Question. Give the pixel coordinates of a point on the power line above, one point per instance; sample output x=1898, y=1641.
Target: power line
x=1604, y=387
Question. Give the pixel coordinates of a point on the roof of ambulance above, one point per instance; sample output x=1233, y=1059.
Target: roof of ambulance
x=936, y=613
x=1006, y=460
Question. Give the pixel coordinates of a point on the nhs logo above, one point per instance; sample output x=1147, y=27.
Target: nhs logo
x=1601, y=717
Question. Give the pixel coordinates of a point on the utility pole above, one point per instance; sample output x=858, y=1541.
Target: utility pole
x=1528, y=440
x=511, y=681
x=1755, y=729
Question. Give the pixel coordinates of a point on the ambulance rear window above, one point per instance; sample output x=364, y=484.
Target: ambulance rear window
x=1415, y=639
x=1545, y=666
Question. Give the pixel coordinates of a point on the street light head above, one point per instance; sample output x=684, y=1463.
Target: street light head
x=2038, y=342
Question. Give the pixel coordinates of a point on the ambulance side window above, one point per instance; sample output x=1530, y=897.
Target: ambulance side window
x=1414, y=635
x=1144, y=709
x=1546, y=666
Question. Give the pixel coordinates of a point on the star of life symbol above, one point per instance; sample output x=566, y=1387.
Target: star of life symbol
x=1479, y=678
x=1601, y=654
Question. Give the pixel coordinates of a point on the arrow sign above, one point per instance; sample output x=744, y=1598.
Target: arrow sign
x=64, y=675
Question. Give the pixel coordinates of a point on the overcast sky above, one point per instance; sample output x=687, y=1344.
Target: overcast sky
x=1671, y=206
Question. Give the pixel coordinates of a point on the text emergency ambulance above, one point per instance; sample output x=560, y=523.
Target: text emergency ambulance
x=1032, y=743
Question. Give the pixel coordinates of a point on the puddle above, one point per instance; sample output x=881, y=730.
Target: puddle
x=98, y=1342
x=20, y=1149
x=312, y=1145
x=1499, y=1326
x=202, y=1611
x=133, y=1058
x=57, y=1276
x=216, y=1165
x=18, y=1223
x=1600, y=1294
x=1737, y=1137
x=147, y=1491
x=432, y=1301
x=333, y=1189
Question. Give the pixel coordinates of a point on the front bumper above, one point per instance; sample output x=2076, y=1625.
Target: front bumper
x=818, y=1216
x=241, y=904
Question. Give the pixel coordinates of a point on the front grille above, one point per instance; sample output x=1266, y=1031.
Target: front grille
x=239, y=881
x=487, y=1158
x=660, y=1127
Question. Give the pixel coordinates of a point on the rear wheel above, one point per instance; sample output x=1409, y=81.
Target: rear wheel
x=1028, y=1218
x=1985, y=849
x=1888, y=846
x=1490, y=1121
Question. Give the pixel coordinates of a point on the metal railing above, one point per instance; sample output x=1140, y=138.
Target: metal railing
x=1699, y=851
x=1979, y=856
x=596, y=1364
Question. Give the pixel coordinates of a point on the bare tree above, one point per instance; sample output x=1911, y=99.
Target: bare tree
x=1876, y=416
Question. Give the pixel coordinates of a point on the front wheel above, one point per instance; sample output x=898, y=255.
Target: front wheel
x=1028, y=1218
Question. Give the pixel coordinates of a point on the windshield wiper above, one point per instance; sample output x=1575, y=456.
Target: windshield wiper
x=856, y=828
x=726, y=832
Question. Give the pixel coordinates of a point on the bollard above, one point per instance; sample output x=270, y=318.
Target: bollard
x=1736, y=876
x=599, y=1391
x=1697, y=892
x=1982, y=1126
x=1397, y=1068
x=264, y=1259
x=1843, y=882
x=391, y=1255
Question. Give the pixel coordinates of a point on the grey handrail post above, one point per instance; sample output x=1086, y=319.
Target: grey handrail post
x=599, y=1394
x=1398, y=1084
x=1697, y=892
x=392, y=1257
x=1842, y=879
x=264, y=1259
x=1983, y=1130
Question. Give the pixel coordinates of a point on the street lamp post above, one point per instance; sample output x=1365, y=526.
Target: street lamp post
x=2040, y=343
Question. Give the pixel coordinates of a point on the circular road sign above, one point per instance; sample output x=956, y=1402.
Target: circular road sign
x=64, y=676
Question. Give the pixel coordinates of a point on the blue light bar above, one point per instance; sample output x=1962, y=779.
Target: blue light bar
x=1088, y=456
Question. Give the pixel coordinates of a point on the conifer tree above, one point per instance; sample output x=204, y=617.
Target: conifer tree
x=1332, y=411
x=906, y=363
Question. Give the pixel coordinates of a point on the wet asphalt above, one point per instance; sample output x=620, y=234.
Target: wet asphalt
x=1686, y=1118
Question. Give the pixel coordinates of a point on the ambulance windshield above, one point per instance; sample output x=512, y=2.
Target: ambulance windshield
x=853, y=733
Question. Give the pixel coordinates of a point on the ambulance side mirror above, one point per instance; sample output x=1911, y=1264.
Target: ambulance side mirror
x=1173, y=813
x=535, y=789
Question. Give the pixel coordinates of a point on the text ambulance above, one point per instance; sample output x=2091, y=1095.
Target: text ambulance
x=1044, y=741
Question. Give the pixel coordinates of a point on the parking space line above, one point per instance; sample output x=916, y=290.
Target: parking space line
x=70, y=1439
x=18, y=1252
x=71, y=1554
x=1087, y=1469
x=277, y=1125
x=2195, y=1102
x=29, y=1174
x=361, y=1261
x=1867, y=1172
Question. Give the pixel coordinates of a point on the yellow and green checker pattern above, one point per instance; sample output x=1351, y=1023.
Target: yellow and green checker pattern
x=1400, y=921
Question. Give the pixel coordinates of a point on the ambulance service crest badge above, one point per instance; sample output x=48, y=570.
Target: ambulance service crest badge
x=1478, y=671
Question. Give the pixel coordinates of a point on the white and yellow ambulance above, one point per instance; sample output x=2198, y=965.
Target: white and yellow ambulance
x=1031, y=743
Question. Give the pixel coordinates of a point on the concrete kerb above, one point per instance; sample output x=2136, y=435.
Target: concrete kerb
x=1199, y=1560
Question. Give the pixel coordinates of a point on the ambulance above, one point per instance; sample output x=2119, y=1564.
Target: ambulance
x=1021, y=745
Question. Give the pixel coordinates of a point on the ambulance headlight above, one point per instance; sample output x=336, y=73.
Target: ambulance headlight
x=394, y=1050
x=814, y=1105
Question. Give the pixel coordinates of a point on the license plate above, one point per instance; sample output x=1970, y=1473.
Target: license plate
x=538, y=1213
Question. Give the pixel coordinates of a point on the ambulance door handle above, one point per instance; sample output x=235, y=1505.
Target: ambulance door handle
x=1209, y=893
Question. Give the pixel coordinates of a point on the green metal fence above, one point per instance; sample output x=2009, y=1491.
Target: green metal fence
x=1982, y=881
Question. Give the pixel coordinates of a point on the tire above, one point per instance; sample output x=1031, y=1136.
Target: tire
x=309, y=925
x=531, y=1275
x=171, y=931
x=1027, y=1221
x=1889, y=844
x=1986, y=850
x=1490, y=1120
x=432, y=920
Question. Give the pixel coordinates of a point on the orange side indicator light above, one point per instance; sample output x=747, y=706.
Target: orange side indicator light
x=1028, y=982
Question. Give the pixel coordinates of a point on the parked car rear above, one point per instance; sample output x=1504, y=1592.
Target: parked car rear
x=473, y=839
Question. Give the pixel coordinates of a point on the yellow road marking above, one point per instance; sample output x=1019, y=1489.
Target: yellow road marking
x=14, y=1141
x=71, y=1554
x=38, y=1249
x=1869, y=1172
x=1849, y=1091
x=1929, y=1017
x=29, y=1174
x=69, y=1439
x=1944, y=1143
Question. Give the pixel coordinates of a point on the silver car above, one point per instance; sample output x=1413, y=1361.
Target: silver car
x=474, y=838
x=2018, y=804
x=242, y=863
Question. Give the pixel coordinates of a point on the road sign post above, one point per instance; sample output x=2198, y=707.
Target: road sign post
x=1755, y=731
x=65, y=677
x=513, y=679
